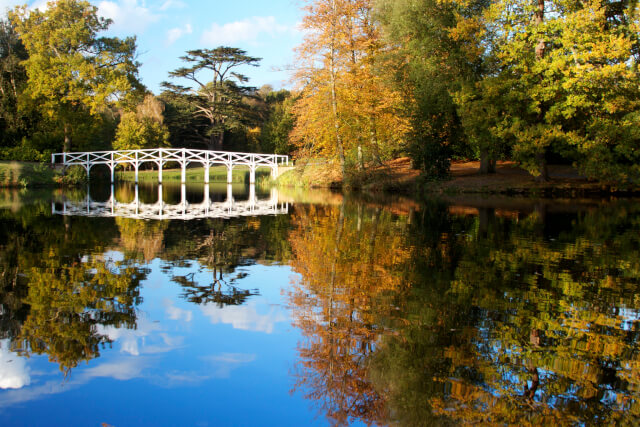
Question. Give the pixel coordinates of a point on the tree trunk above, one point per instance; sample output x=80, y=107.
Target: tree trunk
x=67, y=138
x=541, y=160
x=360, y=158
x=215, y=141
x=487, y=164
x=374, y=143
x=334, y=101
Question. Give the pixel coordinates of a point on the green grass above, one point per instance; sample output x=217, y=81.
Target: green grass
x=23, y=174
x=216, y=174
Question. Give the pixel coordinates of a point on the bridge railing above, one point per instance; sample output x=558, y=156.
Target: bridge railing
x=183, y=156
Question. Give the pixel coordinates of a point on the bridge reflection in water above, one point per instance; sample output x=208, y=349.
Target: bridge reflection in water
x=184, y=210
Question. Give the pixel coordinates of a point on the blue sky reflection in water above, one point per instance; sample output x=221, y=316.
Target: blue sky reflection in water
x=184, y=364
x=342, y=311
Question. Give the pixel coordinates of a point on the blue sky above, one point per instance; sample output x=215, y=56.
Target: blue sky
x=165, y=29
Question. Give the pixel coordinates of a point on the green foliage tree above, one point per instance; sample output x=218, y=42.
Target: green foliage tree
x=143, y=129
x=72, y=73
x=570, y=75
x=13, y=78
x=274, y=134
x=433, y=49
x=221, y=100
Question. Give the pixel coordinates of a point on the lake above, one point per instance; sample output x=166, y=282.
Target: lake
x=240, y=306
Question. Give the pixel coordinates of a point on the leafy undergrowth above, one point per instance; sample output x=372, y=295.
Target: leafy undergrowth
x=22, y=174
x=32, y=174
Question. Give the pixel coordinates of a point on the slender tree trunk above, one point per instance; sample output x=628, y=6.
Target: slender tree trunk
x=360, y=158
x=216, y=140
x=334, y=101
x=67, y=138
x=540, y=51
x=375, y=148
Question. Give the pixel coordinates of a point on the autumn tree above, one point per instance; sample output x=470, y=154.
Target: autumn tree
x=336, y=74
x=72, y=72
x=219, y=90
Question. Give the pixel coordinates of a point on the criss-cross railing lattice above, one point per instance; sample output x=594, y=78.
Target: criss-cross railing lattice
x=182, y=156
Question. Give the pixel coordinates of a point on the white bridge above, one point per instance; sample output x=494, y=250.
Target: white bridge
x=182, y=156
x=183, y=210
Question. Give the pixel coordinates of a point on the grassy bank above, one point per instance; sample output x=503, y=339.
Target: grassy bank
x=320, y=174
x=216, y=174
x=23, y=174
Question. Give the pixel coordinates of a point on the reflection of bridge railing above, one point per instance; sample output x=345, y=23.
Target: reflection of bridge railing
x=183, y=210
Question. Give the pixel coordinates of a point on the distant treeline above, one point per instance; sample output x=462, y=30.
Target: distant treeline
x=64, y=87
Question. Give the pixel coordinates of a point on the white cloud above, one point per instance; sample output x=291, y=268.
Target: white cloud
x=172, y=4
x=13, y=368
x=243, y=317
x=10, y=4
x=122, y=370
x=128, y=16
x=139, y=340
x=224, y=363
x=175, y=33
x=248, y=30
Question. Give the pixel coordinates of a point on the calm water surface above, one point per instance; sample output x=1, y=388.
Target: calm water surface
x=237, y=306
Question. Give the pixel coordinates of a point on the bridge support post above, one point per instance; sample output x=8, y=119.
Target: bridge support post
x=160, y=172
x=252, y=196
x=252, y=174
x=112, y=200
x=183, y=198
x=229, y=174
x=136, y=198
x=135, y=166
x=207, y=199
x=112, y=167
x=229, y=200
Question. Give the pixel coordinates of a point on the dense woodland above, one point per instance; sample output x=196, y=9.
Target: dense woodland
x=542, y=81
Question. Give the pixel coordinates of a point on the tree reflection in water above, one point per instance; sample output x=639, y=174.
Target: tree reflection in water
x=441, y=315
x=443, y=318
x=58, y=291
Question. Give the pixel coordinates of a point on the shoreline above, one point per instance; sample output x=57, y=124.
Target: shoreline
x=510, y=180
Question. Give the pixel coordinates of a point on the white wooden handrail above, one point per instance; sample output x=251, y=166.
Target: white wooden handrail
x=183, y=156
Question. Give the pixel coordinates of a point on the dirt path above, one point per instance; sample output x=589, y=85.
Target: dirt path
x=509, y=178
